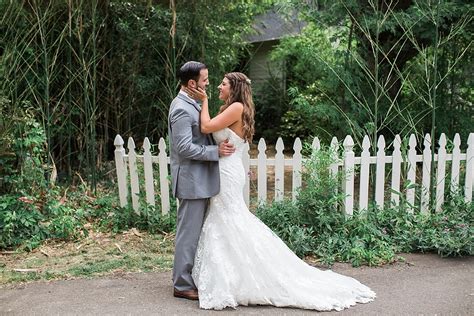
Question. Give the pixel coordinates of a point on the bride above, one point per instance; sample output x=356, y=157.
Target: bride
x=239, y=260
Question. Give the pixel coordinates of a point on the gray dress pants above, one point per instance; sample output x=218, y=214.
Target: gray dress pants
x=190, y=219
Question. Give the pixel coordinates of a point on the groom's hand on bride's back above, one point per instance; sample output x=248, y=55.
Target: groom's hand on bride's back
x=226, y=148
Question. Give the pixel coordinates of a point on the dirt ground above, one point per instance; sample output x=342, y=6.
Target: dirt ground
x=98, y=254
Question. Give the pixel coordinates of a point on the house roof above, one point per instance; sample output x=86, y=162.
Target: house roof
x=273, y=25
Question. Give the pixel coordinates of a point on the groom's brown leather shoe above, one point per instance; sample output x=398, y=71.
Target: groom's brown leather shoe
x=188, y=294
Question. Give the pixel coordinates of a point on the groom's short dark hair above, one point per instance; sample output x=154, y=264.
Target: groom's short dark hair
x=190, y=70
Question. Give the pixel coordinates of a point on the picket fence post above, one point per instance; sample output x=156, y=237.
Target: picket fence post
x=334, y=167
x=132, y=166
x=396, y=170
x=380, y=173
x=349, y=175
x=148, y=172
x=262, y=172
x=411, y=173
x=425, y=181
x=334, y=149
x=279, y=170
x=315, y=145
x=468, y=185
x=456, y=163
x=441, y=172
x=364, y=174
x=164, y=185
x=121, y=169
x=297, y=164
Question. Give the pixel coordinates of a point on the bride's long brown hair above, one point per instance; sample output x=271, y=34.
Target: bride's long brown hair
x=241, y=91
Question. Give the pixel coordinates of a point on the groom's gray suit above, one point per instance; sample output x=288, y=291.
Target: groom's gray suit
x=194, y=179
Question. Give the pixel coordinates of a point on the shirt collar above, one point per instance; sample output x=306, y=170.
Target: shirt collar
x=185, y=95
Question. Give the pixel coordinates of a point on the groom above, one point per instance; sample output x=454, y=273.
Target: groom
x=194, y=174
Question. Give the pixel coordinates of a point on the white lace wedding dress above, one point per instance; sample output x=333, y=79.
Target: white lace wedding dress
x=240, y=261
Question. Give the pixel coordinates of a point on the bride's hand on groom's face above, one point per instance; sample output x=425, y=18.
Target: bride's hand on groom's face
x=226, y=148
x=197, y=94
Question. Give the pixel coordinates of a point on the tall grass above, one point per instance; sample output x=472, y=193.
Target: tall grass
x=50, y=61
x=92, y=69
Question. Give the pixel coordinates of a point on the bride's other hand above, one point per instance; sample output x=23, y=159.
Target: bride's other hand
x=197, y=94
x=226, y=148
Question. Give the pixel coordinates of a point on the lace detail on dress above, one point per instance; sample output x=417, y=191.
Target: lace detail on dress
x=240, y=261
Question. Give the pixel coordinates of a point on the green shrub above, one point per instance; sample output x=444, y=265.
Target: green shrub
x=148, y=218
x=301, y=239
x=65, y=222
x=314, y=225
x=280, y=216
x=22, y=157
x=368, y=242
x=449, y=232
x=24, y=223
x=20, y=221
x=270, y=105
x=319, y=199
x=68, y=214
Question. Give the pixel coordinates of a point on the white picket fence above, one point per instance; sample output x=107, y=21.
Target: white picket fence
x=402, y=166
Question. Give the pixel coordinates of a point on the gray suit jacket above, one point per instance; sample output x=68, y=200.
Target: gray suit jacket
x=194, y=156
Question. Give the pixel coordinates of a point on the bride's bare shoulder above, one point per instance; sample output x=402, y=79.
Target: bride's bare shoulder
x=233, y=107
x=237, y=106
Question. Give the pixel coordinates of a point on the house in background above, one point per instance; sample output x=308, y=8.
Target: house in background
x=268, y=29
x=268, y=76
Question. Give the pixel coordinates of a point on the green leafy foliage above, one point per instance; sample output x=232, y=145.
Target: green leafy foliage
x=314, y=225
x=25, y=222
x=379, y=68
x=270, y=107
x=149, y=219
x=65, y=222
x=314, y=91
x=451, y=231
x=33, y=210
x=19, y=222
x=23, y=153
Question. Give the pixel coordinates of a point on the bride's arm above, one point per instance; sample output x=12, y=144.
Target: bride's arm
x=224, y=119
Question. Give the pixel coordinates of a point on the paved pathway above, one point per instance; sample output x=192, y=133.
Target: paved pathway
x=426, y=285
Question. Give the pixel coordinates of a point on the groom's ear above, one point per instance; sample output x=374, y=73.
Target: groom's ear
x=192, y=83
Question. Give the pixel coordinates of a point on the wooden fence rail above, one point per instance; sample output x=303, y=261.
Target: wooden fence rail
x=404, y=166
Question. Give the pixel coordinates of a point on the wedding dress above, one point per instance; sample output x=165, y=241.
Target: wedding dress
x=240, y=261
